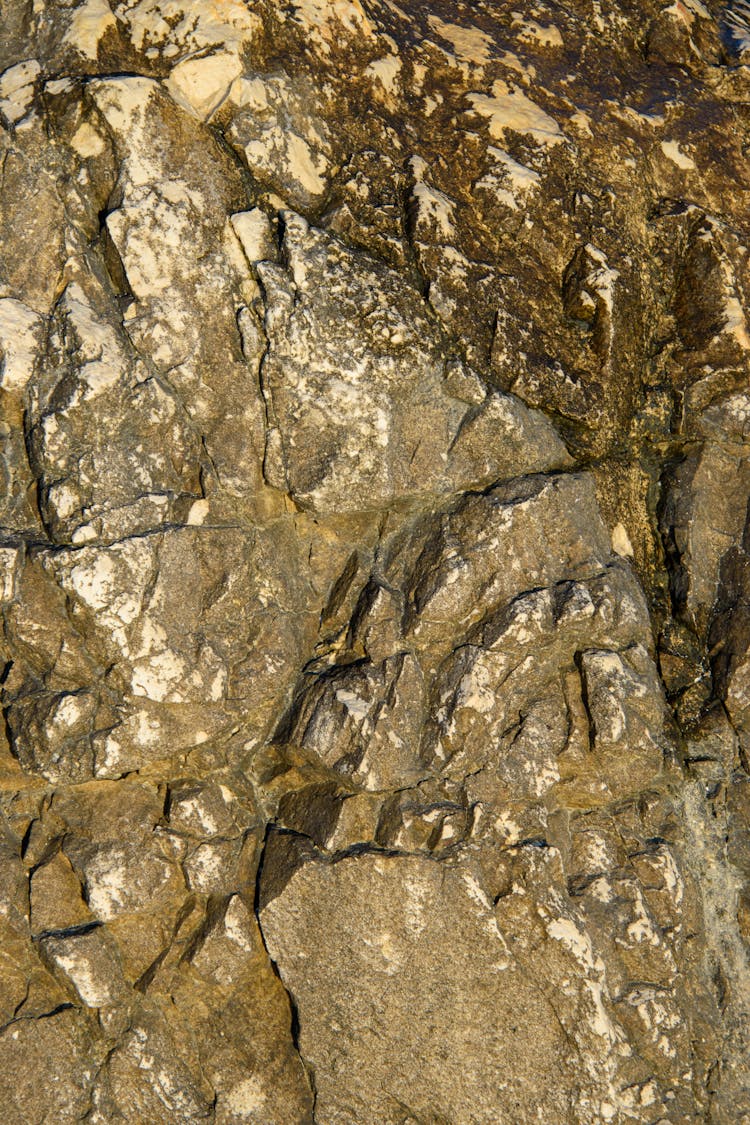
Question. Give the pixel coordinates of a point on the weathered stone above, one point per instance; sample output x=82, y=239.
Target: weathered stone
x=391, y=964
x=374, y=563
x=380, y=418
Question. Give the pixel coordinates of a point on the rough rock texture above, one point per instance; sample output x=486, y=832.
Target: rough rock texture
x=374, y=562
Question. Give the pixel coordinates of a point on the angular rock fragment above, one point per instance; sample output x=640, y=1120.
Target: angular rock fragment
x=379, y=420
x=431, y=975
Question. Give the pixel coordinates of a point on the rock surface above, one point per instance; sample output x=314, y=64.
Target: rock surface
x=374, y=563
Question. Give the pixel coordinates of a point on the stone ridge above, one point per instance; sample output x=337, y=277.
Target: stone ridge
x=374, y=563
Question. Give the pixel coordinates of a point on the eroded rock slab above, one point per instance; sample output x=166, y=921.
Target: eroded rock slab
x=412, y=964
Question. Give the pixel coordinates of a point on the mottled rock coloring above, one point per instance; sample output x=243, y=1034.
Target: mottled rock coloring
x=374, y=563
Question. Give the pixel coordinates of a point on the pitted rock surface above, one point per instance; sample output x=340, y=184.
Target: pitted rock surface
x=374, y=563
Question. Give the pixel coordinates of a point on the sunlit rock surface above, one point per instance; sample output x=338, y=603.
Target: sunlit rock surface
x=374, y=563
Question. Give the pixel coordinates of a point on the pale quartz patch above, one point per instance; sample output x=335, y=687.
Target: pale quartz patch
x=198, y=513
x=238, y=925
x=179, y=27
x=621, y=544
x=476, y=691
x=436, y=206
x=641, y=929
x=579, y=945
x=601, y=889
x=508, y=108
x=148, y=732
x=673, y=152
x=97, y=338
x=508, y=180
x=192, y=810
x=687, y=10
x=100, y=354
x=158, y=678
x=90, y=21
x=320, y=18
x=58, y=86
x=533, y=32
x=508, y=829
x=386, y=72
x=582, y=122
x=386, y=948
x=597, y=853
x=602, y=277
x=282, y=137
x=142, y=247
x=9, y=559
x=251, y=92
x=123, y=103
x=297, y=156
x=94, y=583
x=303, y=166
x=433, y=204
x=200, y=85
x=469, y=43
x=542, y=776
x=86, y=141
x=627, y=113
x=735, y=322
x=476, y=893
x=246, y=1099
x=522, y=178
x=84, y=534
x=19, y=341
x=205, y=868
x=17, y=89
x=93, y=990
x=112, y=584
x=253, y=229
x=107, y=883
x=111, y=760
x=99, y=377
x=417, y=901
x=512, y=62
x=68, y=711
x=64, y=499
x=358, y=708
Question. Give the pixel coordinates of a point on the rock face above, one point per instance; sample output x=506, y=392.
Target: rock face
x=374, y=563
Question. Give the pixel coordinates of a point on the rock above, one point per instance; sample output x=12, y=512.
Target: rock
x=383, y=425
x=374, y=563
x=431, y=974
x=288, y=147
x=56, y=897
x=44, y=1069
